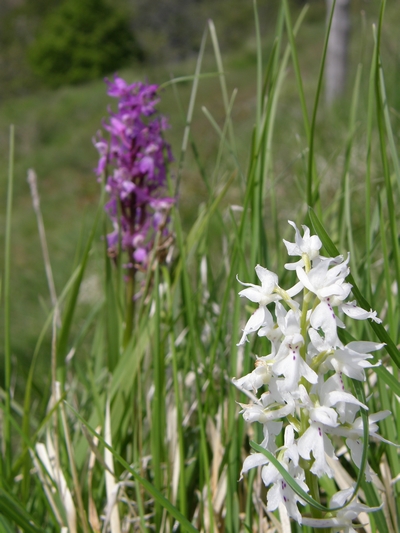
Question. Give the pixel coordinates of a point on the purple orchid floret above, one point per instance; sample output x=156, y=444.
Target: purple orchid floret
x=135, y=158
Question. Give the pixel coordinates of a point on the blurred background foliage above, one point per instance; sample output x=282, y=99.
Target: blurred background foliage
x=73, y=41
x=83, y=39
x=54, y=127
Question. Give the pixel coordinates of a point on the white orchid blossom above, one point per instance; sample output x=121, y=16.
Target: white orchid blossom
x=281, y=492
x=260, y=376
x=261, y=318
x=352, y=359
x=315, y=441
x=325, y=282
x=263, y=294
x=344, y=517
x=306, y=245
x=267, y=409
x=301, y=385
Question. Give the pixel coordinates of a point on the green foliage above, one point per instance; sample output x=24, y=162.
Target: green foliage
x=82, y=40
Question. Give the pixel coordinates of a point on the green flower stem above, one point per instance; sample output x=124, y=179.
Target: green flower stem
x=303, y=322
x=311, y=479
x=312, y=483
x=130, y=308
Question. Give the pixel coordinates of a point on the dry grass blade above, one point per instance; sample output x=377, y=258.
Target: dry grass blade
x=42, y=466
x=46, y=454
x=112, y=514
x=32, y=180
x=218, y=483
x=388, y=497
x=94, y=520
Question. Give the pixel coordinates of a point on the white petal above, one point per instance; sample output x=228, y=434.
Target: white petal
x=293, y=266
x=314, y=440
x=268, y=279
x=320, y=466
x=260, y=376
x=305, y=443
x=380, y=415
x=253, y=324
x=353, y=311
x=323, y=317
x=274, y=498
x=324, y=415
x=305, y=279
x=308, y=373
x=253, y=461
x=350, y=369
x=364, y=346
x=295, y=289
x=335, y=397
x=270, y=474
x=252, y=293
x=340, y=291
x=318, y=341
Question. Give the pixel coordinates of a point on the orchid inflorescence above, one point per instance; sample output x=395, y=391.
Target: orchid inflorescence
x=138, y=155
x=306, y=376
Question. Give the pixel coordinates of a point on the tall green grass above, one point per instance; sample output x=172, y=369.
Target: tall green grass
x=152, y=421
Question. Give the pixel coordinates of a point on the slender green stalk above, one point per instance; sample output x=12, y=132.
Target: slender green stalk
x=312, y=191
x=390, y=198
x=130, y=308
x=235, y=432
x=189, y=116
x=224, y=89
x=5, y=463
x=259, y=91
x=32, y=180
x=389, y=191
x=70, y=308
x=293, y=49
x=158, y=410
x=183, y=496
x=347, y=196
x=112, y=312
x=313, y=485
x=368, y=187
x=196, y=355
x=391, y=302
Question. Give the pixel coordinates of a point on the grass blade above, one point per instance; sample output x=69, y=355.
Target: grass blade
x=13, y=510
x=5, y=462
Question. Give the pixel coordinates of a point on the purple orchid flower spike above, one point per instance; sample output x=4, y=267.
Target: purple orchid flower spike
x=135, y=161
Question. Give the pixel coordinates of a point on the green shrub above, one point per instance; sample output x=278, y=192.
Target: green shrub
x=82, y=40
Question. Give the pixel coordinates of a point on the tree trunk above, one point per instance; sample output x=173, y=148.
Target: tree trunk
x=337, y=53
